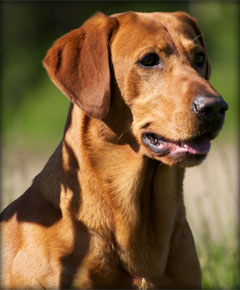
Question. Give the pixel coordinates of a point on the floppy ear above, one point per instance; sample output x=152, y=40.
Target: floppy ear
x=194, y=24
x=78, y=64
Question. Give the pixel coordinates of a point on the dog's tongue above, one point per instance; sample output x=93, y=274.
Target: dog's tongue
x=198, y=146
x=201, y=146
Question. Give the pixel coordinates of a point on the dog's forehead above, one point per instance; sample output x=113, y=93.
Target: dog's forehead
x=157, y=27
x=179, y=21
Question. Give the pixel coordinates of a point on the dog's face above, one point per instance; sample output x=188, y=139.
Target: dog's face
x=161, y=70
x=161, y=67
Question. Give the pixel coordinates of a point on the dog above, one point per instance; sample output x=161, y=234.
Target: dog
x=107, y=210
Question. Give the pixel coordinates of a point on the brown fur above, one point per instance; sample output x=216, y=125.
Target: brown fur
x=106, y=212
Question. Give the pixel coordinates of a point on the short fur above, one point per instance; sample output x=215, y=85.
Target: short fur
x=106, y=212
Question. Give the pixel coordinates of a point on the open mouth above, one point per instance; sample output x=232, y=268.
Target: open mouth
x=161, y=146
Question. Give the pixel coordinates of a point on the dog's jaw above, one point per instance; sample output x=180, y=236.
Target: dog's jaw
x=184, y=153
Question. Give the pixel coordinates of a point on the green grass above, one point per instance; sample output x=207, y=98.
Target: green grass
x=219, y=264
x=39, y=118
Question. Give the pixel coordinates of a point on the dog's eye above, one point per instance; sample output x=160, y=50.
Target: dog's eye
x=199, y=59
x=149, y=60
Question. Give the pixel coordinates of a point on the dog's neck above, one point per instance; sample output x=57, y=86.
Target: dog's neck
x=95, y=172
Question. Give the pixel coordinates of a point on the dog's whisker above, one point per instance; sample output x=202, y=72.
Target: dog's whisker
x=121, y=135
x=197, y=37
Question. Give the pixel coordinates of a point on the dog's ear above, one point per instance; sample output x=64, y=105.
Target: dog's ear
x=194, y=24
x=78, y=63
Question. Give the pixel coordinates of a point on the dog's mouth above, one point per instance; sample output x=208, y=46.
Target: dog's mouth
x=161, y=146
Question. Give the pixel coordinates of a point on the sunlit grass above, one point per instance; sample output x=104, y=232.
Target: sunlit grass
x=219, y=263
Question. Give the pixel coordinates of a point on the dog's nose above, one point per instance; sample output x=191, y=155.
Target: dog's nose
x=210, y=108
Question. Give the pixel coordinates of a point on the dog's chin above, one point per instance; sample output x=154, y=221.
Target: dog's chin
x=185, y=160
x=183, y=153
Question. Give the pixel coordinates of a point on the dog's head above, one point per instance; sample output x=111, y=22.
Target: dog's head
x=159, y=64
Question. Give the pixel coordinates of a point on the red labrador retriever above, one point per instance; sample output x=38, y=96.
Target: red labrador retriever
x=107, y=210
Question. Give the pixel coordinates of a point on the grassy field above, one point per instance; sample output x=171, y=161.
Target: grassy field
x=211, y=198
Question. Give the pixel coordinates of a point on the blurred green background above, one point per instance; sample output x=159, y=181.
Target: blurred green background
x=34, y=111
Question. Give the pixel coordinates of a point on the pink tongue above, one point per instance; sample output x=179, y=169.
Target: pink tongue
x=199, y=147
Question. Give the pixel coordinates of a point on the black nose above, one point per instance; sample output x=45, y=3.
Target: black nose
x=210, y=108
